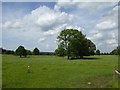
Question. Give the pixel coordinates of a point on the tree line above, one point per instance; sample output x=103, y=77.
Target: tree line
x=116, y=51
x=22, y=52
x=72, y=43
x=29, y=52
x=4, y=51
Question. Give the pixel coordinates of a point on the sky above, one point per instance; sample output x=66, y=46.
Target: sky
x=37, y=24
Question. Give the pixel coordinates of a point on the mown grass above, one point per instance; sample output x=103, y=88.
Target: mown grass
x=58, y=72
x=0, y=71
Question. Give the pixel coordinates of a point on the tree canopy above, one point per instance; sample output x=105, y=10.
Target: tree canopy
x=60, y=51
x=36, y=51
x=116, y=51
x=97, y=52
x=21, y=51
x=4, y=51
x=74, y=44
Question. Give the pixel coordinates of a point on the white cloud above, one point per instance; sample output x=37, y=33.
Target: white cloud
x=59, y=0
x=41, y=40
x=47, y=46
x=105, y=33
x=12, y=25
x=42, y=25
x=88, y=1
x=92, y=6
x=7, y=24
x=57, y=7
x=41, y=19
x=50, y=32
x=38, y=26
x=86, y=4
x=106, y=25
x=47, y=19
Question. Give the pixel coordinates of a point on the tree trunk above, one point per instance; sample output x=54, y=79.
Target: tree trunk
x=20, y=56
x=81, y=57
x=68, y=57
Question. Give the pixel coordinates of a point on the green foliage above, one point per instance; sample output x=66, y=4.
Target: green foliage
x=1, y=50
x=74, y=44
x=21, y=51
x=97, y=52
x=36, y=51
x=116, y=51
x=60, y=51
x=92, y=47
x=47, y=53
x=4, y=51
x=104, y=53
x=29, y=52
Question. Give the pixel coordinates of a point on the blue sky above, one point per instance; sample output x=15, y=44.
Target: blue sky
x=21, y=8
x=37, y=24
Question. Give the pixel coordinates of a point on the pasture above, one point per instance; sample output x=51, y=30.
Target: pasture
x=0, y=71
x=58, y=72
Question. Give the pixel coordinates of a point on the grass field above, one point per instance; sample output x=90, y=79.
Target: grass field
x=58, y=72
x=0, y=71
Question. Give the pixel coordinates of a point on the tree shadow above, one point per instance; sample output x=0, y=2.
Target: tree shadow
x=91, y=58
x=85, y=58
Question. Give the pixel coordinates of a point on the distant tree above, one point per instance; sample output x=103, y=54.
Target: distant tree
x=106, y=53
x=21, y=51
x=118, y=50
x=36, y=51
x=47, y=53
x=9, y=52
x=29, y=52
x=4, y=51
x=97, y=52
x=114, y=52
x=102, y=53
x=0, y=50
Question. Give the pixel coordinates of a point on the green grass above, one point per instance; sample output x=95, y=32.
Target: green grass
x=0, y=71
x=58, y=72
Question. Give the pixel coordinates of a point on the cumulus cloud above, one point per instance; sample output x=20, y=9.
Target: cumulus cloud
x=47, y=46
x=106, y=25
x=42, y=18
x=59, y=0
x=41, y=40
x=86, y=5
x=39, y=24
x=46, y=19
x=105, y=32
x=12, y=25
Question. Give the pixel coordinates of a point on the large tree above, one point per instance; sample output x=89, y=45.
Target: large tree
x=21, y=51
x=75, y=43
x=36, y=51
x=92, y=47
x=60, y=51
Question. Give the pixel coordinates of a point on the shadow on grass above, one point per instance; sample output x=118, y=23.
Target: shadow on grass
x=85, y=58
